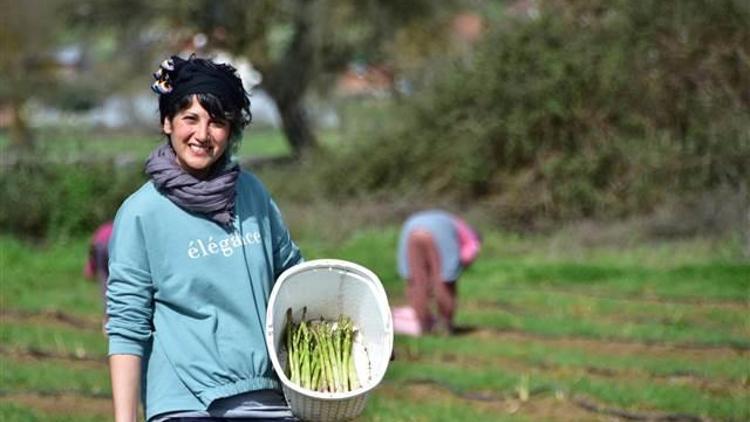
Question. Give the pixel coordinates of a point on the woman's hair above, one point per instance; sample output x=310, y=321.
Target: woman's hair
x=217, y=88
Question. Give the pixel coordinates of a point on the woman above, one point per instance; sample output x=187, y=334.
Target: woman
x=434, y=248
x=194, y=254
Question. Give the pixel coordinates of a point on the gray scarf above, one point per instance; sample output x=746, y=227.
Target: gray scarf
x=213, y=197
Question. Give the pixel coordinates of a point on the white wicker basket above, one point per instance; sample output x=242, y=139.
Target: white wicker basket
x=330, y=288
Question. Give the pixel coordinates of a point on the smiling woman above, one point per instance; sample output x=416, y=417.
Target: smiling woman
x=193, y=257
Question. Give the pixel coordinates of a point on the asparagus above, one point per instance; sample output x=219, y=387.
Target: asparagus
x=319, y=353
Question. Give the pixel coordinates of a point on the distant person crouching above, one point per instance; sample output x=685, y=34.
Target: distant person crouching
x=97, y=263
x=434, y=248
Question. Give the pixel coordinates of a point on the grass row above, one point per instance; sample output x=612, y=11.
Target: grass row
x=565, y=323
x=637, y=394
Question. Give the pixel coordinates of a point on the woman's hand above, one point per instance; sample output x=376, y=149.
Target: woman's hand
x=125, y=371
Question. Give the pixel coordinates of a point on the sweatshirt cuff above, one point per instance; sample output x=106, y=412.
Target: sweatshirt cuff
x=119, y=345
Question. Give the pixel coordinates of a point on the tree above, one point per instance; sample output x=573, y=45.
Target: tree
x=594, y=108
x=28, y=33
x=295, y=42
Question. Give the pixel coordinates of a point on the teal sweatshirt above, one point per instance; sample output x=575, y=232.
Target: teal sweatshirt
x=190, y=297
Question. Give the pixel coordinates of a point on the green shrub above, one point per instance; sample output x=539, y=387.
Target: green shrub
x=43, y=198
x=593, y=109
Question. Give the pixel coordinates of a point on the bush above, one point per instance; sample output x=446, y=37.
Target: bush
x=47, y=199
x=594, y=109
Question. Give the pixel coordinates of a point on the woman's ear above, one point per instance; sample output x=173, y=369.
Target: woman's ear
x=167, y=126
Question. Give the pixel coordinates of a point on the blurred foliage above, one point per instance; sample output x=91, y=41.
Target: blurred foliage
x=48, y=199
x=594, y=108
x=27, y=30
x=297, y=45
x=26, y=33
x=70, y=55
x=588, y=109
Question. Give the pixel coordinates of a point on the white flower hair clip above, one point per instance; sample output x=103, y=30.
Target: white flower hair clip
x=162, y=84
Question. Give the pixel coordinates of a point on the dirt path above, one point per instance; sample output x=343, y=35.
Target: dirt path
x=542, y=404
x=539, y=407
x=79, y=360
x=63, y=404
x=50, y=317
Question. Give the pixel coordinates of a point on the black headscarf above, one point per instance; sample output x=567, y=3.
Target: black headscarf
x=178, y=77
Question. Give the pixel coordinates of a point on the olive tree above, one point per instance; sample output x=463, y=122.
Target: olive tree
x=295, y=43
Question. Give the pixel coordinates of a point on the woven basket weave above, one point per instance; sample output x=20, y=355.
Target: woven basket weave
x=329, y=288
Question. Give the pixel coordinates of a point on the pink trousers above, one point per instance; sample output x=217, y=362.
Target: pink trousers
x=426, y=283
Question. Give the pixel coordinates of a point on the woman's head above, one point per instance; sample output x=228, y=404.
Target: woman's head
x=203, y=108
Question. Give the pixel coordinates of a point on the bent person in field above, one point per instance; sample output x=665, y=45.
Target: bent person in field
x=97, y=262
x=434, y=249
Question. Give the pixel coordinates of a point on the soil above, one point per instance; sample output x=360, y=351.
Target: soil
x=540, y=407
x=51, y=318
x=612, y=347
x=62, y=404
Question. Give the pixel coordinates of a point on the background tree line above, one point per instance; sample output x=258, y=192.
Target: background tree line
x=601, y=109
x=295, y=44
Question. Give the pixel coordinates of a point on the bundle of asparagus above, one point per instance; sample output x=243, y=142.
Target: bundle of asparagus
x=319, y=353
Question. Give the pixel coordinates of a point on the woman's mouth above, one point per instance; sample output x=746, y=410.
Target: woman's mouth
x=199, y=149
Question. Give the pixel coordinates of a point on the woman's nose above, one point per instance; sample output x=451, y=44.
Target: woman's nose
x=201, y=132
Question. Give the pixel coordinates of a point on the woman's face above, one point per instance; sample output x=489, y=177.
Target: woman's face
x=197, y=139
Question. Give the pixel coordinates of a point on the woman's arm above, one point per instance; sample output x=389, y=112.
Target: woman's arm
x=125, y=371
x=130, y=293
x=285, y=252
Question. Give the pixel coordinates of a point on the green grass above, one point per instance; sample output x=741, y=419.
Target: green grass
x=624, y=393
x=703, y=281
x=602, y=331
x=581, y=303
x=536, y=353
x=55, y=338
x=36, y=279
x=54, y=376
x=644, y=328
x=16, y=413
x=405, y=408
x=73, y=144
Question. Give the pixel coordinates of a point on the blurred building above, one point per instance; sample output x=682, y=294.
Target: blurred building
x=364, y=80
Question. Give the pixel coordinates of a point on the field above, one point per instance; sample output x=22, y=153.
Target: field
x=551, y=328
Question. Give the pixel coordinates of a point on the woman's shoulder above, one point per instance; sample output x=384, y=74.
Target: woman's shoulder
x=147, y=192
x=250, y=183
x=143, y=200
